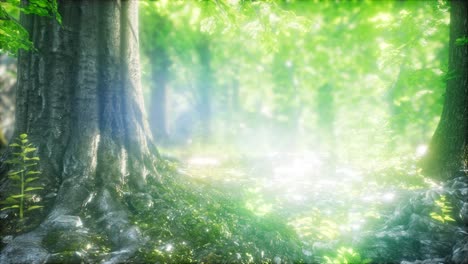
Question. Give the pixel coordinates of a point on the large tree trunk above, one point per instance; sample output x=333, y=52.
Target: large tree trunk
x=449, y=146
x=79, y=100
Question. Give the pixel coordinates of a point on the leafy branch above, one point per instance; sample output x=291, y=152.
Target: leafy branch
x=13, y=36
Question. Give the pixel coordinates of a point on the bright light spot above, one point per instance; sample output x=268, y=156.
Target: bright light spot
x=349, y=173
x=123, y=156
x=266, y=111
x=421, y=150
x=383, y=45
x=79, y=223
x=438, y=71
x=307, y=252
x=169, y=247
x=273, y=18
x=89, y=246
x=382, y=17
x=388, y=197
x=298, y=197
x=404, y=12
x=368, y=198
x=203, y=161
x=288, y=64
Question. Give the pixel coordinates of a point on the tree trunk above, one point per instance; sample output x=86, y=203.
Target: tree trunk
x=449, y=146
x=80, y=102
x=204, y=85
x=326, y=126
x=157, y=110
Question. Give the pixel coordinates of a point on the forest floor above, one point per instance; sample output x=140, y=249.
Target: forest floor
x=331, y=213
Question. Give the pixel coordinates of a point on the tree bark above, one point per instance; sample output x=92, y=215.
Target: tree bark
x=79, y=100
x=448, y=149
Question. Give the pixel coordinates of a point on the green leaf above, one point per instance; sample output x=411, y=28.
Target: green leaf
x=448, y=218
x=28, y=180
x=10, y=207
x=24, y=141
x=461, y=41
x=14, y=172
x=17, y=196
x=437, y=217
x=27, y=150
x=15, y=177
x=14, y=145
x=33, y=189
x=23, y=136
x=33, y=158
x=9, y=200
x=32, y=173
x=34, y=207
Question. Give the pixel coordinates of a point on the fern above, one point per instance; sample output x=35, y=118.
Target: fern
x=443, y=210
x=24, y=175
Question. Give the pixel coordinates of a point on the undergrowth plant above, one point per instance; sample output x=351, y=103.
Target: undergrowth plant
x=443, y=210
x=23, y=175
x=346, y=256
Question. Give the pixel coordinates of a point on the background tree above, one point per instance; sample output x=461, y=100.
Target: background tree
x=154, y=45
x=448, y=151
x=204, y=86
x=80, y=101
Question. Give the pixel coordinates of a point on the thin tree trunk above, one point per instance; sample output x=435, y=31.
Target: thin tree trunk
x=157, y=114
x=80, y=102
x=449, y=146
x=204, y=86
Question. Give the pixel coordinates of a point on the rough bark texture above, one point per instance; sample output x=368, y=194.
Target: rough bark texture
x=449, y=146
x=79, y=100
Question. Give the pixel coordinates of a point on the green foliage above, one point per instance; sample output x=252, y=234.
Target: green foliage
x=387, y=59
x=443, y=210
x=23, y=175
x=13, y=36
x=461, y=41
x=346, y=255
x=198, y=221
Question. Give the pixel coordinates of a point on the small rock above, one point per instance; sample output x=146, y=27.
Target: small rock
x=7, y=239
x=64, y=222
x=464, y=213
